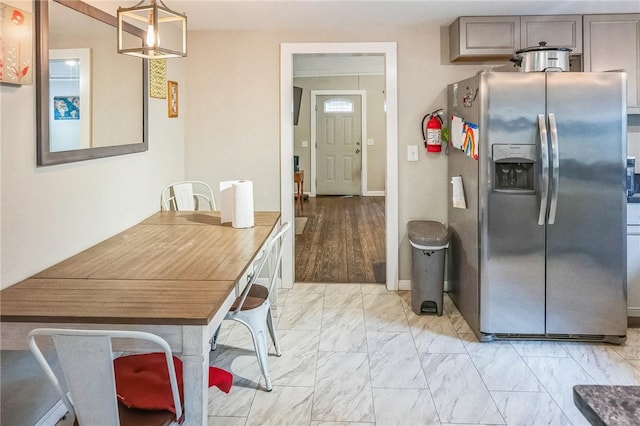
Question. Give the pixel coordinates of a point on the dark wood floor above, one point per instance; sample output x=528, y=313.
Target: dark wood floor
x=343, y=240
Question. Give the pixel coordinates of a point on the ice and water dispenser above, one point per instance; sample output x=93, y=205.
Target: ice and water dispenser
x=513, y=168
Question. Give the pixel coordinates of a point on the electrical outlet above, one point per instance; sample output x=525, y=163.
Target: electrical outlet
x=304, y=144
x=412, y=153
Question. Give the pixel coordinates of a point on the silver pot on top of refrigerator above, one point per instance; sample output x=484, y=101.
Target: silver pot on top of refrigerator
x=542, y=58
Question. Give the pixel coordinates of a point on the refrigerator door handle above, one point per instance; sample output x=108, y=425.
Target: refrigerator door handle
x=544, y=176
x=555, y=172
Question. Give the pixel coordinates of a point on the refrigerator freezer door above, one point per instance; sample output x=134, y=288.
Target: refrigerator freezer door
x=586, y=260
x=512, y=293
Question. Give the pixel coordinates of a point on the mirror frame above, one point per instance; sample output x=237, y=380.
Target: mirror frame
x=45, y=157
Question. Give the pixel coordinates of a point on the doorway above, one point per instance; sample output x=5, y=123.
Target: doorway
x=340, y=230
x=388, y=51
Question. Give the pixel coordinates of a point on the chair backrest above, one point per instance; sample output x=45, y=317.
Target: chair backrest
x=272, y=255
x=187, y=196
x=86, y=359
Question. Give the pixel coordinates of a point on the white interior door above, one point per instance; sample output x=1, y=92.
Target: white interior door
x=339, y=145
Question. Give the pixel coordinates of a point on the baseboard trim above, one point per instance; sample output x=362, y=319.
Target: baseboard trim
x=366, y=194
x=53, y=416
x=404, y=285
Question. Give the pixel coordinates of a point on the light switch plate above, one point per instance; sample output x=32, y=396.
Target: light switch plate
x=412, y=153
x=304, y=144
x=370, y=141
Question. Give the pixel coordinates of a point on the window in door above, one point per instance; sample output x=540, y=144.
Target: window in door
x=338, y=105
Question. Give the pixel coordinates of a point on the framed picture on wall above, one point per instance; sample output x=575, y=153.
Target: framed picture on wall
x=16, y=40
x=172, y=89
x=158, y=78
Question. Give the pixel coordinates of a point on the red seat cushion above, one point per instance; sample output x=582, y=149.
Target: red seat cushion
x=220, y=378
x=142, y=381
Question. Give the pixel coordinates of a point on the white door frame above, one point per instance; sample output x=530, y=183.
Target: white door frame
x=363, y=123
x=389, y=50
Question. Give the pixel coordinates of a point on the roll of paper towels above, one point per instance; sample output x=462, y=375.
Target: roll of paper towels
x=237, y=203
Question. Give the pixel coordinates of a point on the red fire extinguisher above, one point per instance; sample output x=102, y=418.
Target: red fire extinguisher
x=431, y=133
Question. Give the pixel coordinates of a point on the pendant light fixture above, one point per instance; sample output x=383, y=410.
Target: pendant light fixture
x=166, y=30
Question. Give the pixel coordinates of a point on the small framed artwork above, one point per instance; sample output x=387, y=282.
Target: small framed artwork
x=172, y=89
x=16, y=28
x=66, y=107
x=158, y=78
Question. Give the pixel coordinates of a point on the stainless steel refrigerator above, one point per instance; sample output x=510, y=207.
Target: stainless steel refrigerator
x=539, y=251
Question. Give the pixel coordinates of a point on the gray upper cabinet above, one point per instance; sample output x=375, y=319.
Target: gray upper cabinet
x=555, y=30
x=484, y=37
x=612, y=42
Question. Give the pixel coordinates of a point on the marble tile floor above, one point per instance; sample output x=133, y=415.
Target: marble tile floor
x=355, y=354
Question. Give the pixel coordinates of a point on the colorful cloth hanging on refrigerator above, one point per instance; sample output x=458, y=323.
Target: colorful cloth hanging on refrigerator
x=470, y=139
x=464, y=136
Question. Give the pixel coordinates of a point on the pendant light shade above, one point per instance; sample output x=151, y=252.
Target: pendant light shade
x=166, y=31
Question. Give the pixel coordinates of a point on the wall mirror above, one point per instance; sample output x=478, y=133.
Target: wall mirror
x=91, y=101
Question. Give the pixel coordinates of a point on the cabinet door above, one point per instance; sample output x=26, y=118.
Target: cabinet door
x=612, y=42
x=557, y=31
x=484, y=36
x=633, y=271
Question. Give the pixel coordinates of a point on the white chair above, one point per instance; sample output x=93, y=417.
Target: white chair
x=187, y=196
x=86, y=359
x=253, y=309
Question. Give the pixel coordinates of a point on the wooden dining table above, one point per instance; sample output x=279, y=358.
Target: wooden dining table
x=174, y=274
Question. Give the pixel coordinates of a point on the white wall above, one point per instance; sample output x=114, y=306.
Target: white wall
x=234, y=102
x=232, y=127
x=51, y=213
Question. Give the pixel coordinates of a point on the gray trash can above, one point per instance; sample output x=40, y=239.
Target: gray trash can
x=428, y=243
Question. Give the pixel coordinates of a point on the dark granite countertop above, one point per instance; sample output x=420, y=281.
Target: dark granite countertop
x=608, y=405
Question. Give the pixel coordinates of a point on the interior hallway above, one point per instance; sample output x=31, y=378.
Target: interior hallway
x=343, y=240
x=357, y=355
